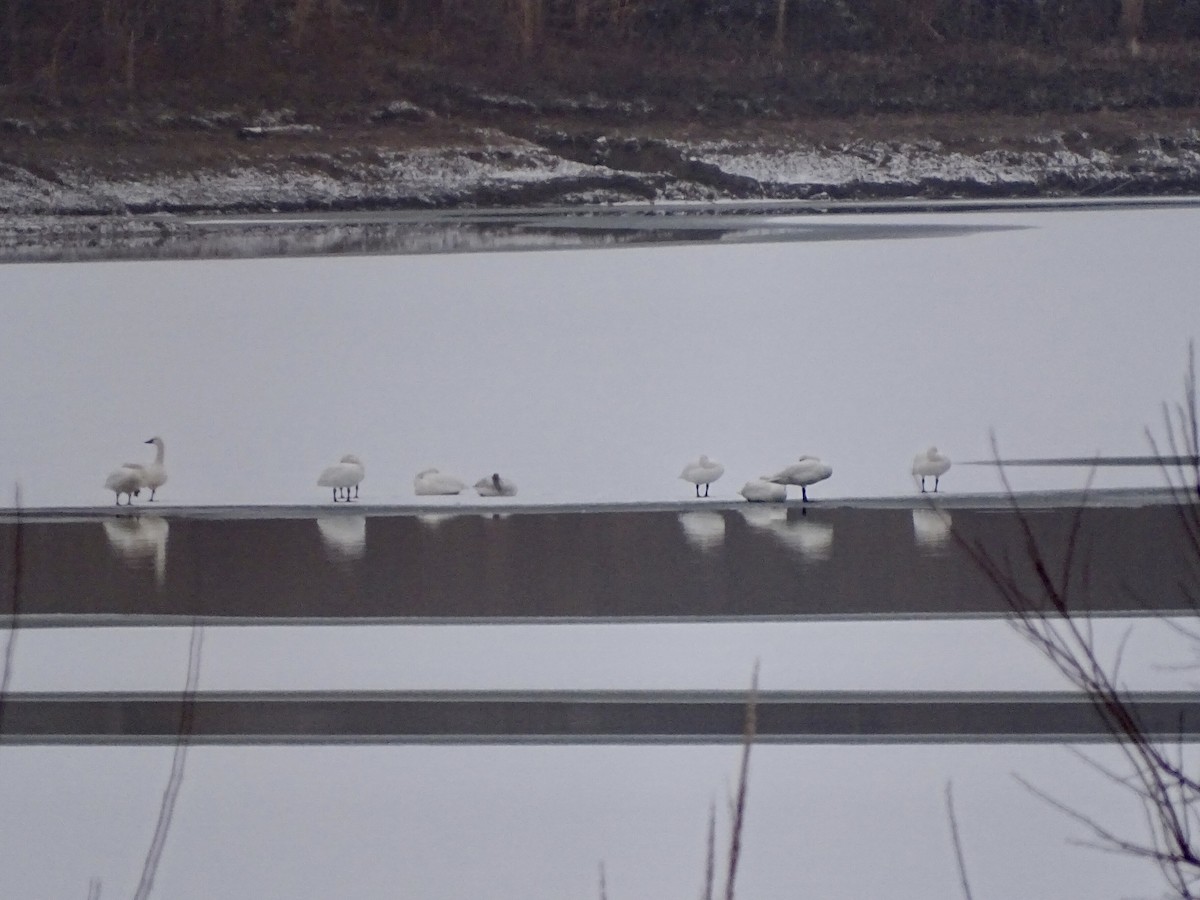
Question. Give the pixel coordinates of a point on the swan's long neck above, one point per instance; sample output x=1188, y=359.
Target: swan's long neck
x=158, y=453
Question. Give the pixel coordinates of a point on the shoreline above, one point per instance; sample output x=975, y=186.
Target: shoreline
x=1028, y=500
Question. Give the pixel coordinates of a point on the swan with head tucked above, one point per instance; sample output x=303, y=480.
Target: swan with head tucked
x=702, y=472
x=431, y=481
x=930, y=464
x=805, y=471
x=155, y=473
x=760, y=490
x=342, y=476
x=127, y=480
x=495, y=486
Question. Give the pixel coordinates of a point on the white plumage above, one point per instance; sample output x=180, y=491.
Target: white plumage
x=342, y=476
x=431, y=481
x=805, y=471
x=495, y=486
x=155, y=474
x=760, y=490
x=126, y=480
x=930, y=464
x=702, y=472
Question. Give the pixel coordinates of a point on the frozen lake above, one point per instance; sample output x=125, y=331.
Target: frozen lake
x=596, y=375
x=589, y=377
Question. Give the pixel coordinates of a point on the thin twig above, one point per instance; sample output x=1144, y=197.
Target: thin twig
x=15, y=591
x=958, y=850
x=187, y=717
x=739, y=810
x=710, y=856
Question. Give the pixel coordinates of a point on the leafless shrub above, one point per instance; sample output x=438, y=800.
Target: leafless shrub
x=1047, y=615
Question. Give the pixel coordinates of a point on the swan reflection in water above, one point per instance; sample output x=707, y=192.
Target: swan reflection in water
x=704, y=529
x=931, y=527
x=141, y=541
x=344, y=537
x=813, y=540
x=435, y=519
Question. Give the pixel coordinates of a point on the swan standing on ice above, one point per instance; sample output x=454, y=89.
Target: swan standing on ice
x=127, y=480
x=760, y=490
x=155, y=474
x=930, y=464
x=431, y=481
x=342, y=476
x=495, y=486
x=702, y=472
x=805, y=471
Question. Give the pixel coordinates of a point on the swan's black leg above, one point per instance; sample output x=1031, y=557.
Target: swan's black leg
x=936, y=479
x=697, y=490
x=356, y=492
x=706, y=490
x=152, y=490
x=803, y=493
x=922, y=484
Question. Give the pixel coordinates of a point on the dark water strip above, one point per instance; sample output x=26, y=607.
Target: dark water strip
x=704, y=563
x=582, y=718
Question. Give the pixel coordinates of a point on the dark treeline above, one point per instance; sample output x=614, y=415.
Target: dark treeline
x=57, y=47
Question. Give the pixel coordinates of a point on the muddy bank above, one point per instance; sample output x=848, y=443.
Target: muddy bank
x=513, y=152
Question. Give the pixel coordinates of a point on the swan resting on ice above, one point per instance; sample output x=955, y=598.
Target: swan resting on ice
x=155, y=474
x=805, y=471
x=495, y=486
x=761, y=490
x=930, y=464
x=127, y=480
x=702, y=472
x=431, y=481
x=342, y=476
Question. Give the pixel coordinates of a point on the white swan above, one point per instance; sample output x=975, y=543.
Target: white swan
x=342, y=476
x=702, y=472
x=805, y=471
x=126, y=480
x=495, y=486
x=431, y=481
x=156, y=473
x=930, y=464
x=760, y=490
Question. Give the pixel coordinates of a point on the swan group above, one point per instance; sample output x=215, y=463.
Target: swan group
x=805, y=471
x=131, y=479
x=341, y=476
